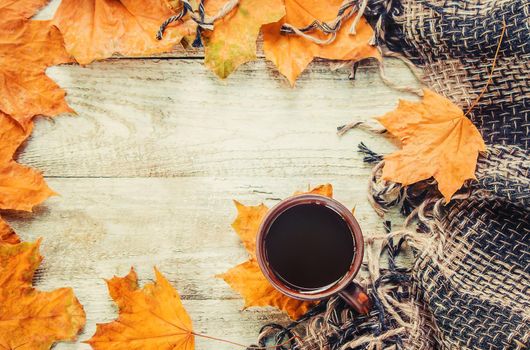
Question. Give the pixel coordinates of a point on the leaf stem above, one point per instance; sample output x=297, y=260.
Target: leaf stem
x=491, y=72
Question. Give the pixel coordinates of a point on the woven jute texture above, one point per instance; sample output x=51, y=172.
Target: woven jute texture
x=455, y=42
x=469, y=287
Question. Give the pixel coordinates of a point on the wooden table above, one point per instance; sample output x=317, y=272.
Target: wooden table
x=147, y=171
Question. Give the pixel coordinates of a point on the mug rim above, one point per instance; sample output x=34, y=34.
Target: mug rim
x=325, y=291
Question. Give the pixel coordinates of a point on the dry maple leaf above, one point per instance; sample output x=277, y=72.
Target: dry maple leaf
x=174, y=5
x=247, y=278
x=247, y=224
x=12, y=135
x=249, y=218
x=31, y=319
x=11, y=10
x=292, y=53
x=152, y=318
x=21, y=188
x=7, y=234
x=97, y=29
x=323, y=190
x=27, y=48
x=438, y=141
x=233, y=42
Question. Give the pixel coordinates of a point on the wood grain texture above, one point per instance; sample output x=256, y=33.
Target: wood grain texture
x=148, y=168
x=172, y=117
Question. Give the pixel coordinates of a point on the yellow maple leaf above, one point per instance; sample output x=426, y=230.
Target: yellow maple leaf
x=152, y=318
x=292, y=53
x=31, y=319
x=233, y=42
x=438, y=141
x=247, y=278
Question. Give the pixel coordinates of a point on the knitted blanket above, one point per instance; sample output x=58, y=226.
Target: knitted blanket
x=469, y=287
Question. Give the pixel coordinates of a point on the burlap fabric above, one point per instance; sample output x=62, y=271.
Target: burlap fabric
x=469, y=287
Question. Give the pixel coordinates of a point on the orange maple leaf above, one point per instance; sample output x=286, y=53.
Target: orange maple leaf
x=31, y=319
x=438, y=141
x=152, y=318
x=20, y=9
x=27, y=48
x=12, y=135
x=247, y=224
x=21, y=188
x=7, y=234
x=292, y=54
x=247, y=278
x=233, y=42
x=97, y=29
x=323, y=190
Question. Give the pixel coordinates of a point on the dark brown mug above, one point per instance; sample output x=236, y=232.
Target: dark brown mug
x=350, y=291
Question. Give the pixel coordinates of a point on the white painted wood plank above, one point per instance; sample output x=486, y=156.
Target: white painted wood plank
x=171, y=118
x=48, y=11
x=97, y=228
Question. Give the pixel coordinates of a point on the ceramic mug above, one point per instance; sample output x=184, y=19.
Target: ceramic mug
x=350, y=291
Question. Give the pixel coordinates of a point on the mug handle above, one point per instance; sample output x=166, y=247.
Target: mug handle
x=356, y=297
